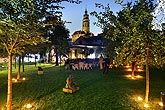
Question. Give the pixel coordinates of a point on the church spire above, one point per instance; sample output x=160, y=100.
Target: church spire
x=86, y=23
x=86, y=12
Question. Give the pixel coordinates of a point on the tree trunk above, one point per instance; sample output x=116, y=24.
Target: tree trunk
x=133, y=70
x=9, y=92
x=147, y=77
x=23, y=69
x=19, y=67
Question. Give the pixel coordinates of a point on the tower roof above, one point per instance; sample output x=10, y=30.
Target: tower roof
x=86, y=12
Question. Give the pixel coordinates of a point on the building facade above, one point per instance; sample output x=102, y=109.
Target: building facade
x=84, y=40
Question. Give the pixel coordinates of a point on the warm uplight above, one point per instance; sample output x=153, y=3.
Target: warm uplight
x=161, y=104
x=28, y=106
x=139, y=70
x=127, y=66
x=128, y=69
x=138, y=76
x=146, y=106
x=129, y=76
x=14, y=80
x=132, y=77
x=139, y=98
x=23, y=78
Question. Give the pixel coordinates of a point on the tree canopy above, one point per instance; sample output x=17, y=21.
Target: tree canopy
x=133, y=28
x=20, y=26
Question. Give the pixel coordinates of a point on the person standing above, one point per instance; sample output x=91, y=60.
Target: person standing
x=101, y=60
x=67, y=64
x=106, y=65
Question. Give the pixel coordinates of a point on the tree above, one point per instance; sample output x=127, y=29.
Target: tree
x=55, y=29
x=28, y=49
x=106, y=21
x=58, y=34
x=14, y=35
x=139, y=42
x=20, y=23
x=13, y=38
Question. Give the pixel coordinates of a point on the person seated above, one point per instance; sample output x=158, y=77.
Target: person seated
x=90, y=65
x=86, y=66
x=76, y=66
x=81, y=65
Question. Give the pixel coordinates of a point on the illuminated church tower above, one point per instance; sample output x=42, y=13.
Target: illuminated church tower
x=81, y=34
x=85, y=31
x=86, y=22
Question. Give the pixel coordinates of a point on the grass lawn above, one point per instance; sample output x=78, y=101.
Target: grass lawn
x=97, y=92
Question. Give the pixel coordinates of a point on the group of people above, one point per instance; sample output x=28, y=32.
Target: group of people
x=81, y=64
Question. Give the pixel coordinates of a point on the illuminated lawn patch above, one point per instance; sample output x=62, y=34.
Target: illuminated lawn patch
x=97, y=92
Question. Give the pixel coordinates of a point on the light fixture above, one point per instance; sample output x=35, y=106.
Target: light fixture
x=28, y=106
x=161, y=104
x=129, y=76
x=140, y=98
x=138, y=76
x=132, y=77
x=146, y=106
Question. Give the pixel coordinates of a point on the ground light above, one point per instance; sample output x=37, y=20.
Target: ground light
x=141, y=103
x=132, y=77
x=29, y=106
x=161, y=104
x=146, y=106
x=140, y=98
x=135, y=77
x=129, y=68
x=138, y=76
x=140, y=70
x=14, y=80
x=23, y=78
